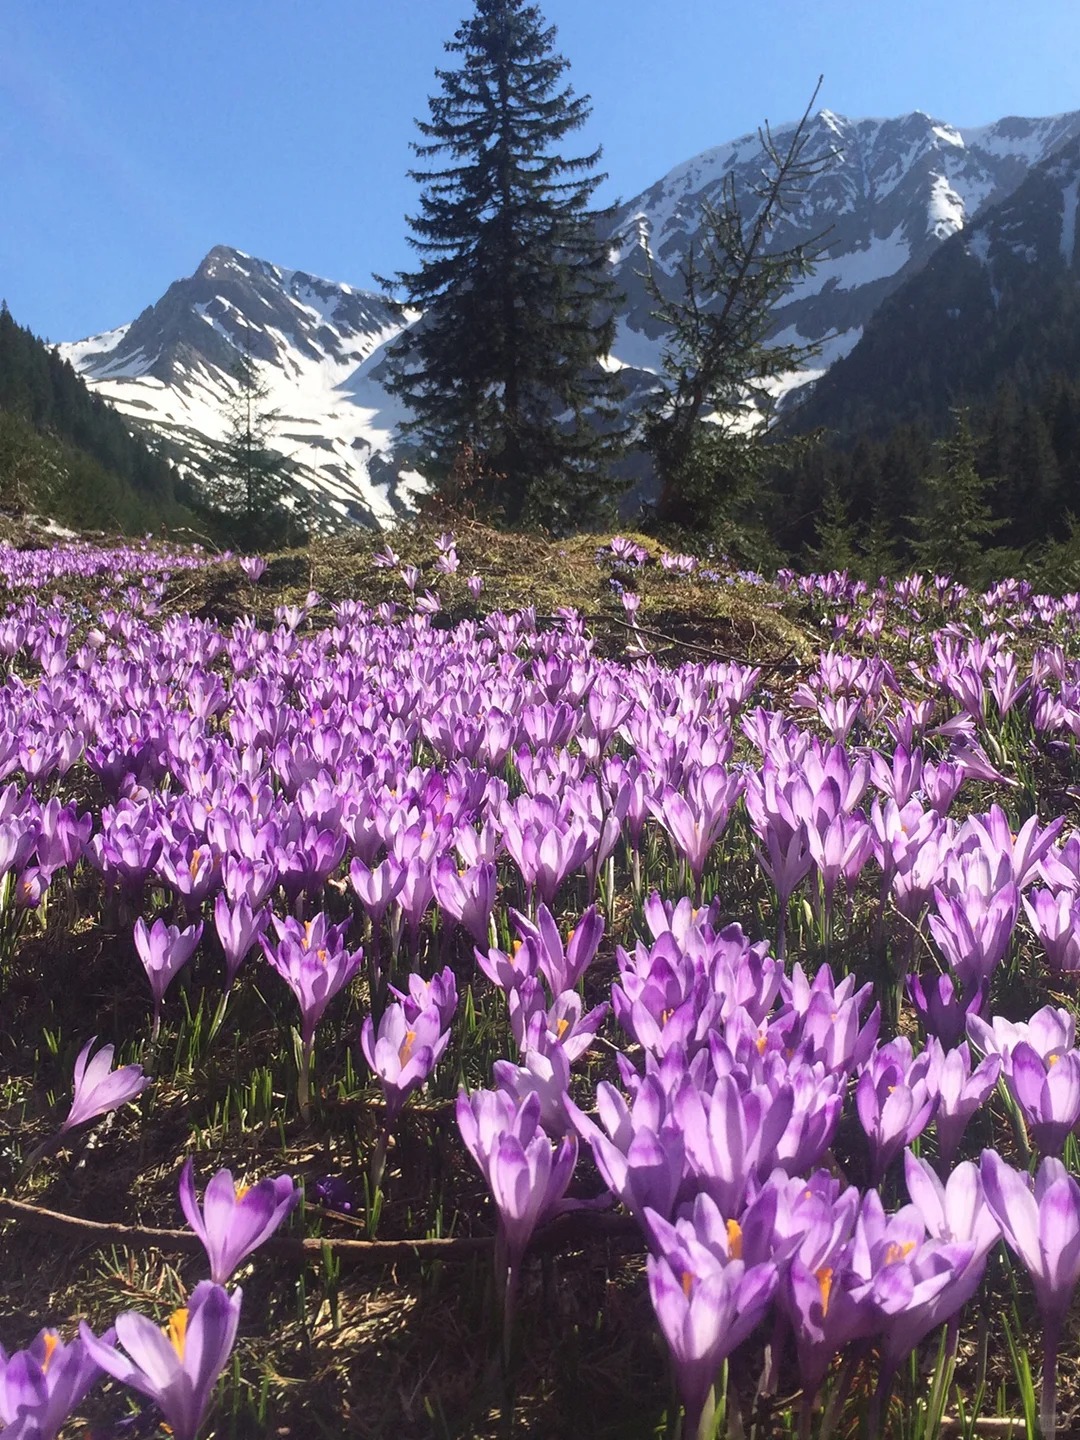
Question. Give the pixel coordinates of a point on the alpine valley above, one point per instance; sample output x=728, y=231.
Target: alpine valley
x=883, y=212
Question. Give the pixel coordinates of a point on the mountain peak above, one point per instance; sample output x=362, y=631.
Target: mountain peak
x=221, y=258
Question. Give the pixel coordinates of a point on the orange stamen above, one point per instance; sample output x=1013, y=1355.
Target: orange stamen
x=824, y=1280
x=176, y=1331
x=51, y=1342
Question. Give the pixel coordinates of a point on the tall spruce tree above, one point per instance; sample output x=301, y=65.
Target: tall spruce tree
x=244, y=477
x=955, y=520
x=503, y=373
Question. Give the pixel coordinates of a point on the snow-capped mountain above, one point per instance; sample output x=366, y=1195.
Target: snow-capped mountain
x=894, y=191
x=998, y=304
x=317, y=347
x=892, y=194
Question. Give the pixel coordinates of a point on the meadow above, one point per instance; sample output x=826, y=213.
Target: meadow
x=482, y=986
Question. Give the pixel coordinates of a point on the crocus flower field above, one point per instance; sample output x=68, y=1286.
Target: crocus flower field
x=421, y=1019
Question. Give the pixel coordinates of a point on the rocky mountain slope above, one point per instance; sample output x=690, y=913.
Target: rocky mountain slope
x=315, y=344
x=999, y=304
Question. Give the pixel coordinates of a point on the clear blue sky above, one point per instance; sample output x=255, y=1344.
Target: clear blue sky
x=136, y=134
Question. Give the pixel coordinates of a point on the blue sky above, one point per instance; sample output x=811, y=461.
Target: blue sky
x=137, y=134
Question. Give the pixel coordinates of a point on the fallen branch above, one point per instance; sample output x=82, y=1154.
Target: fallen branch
x=574, y=1228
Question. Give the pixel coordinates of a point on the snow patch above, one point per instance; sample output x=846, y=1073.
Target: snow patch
x=945, y=213
x=880, y=260
x=978, y=246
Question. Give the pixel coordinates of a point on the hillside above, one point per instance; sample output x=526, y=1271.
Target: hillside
x=67, y=454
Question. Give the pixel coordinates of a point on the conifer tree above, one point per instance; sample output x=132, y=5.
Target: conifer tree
x=704, y=432
x=835, y=549
x=244, y=477
x=954, y=520
x=512, y=281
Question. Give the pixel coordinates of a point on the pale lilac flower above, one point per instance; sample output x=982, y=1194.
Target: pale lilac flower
x=179, y=1366
x=98, y=1088
x=41, y=1385
x=164, y=950
x=234, y=1222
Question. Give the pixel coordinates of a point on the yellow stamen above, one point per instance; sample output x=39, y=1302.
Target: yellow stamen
x=307, y=933
x=406, y=1046
x=895, y=1252
x=243, y=1190
x=176, y=1331
x=687, y=1283
x=562, y=1027
x=734, y=1240
x=760, y=1043
x=51, y=1342
x=824, y=1280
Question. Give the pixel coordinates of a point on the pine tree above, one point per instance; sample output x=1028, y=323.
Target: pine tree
x=704, y=433
x=244, y=477
x=513, y=283
x=835, y=549
x=955, y=519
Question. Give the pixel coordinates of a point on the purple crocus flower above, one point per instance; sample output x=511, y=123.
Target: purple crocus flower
x=960, y=1092
x=643, y=1154
x=894, y=1101
x=956, y=1209
x=915, y=1282
x=1041, y=1224
x=510, y=969
x=253, y=566
x=376, y=889
x=562, y=966
x=1056, y=921
x=312, y=960
x=439, y=992
x=1047, y=1093
x=234, y=1222
x=943, y=1005
x=164, y=950
x=731, y=1135
x=98, y=1088
x=467, y=896
x=707, y=1301
x=1050, y=1031
x=973, y=929
x=177, y=1367
x=545, y=1073
x=41, y=1385
x=564, y=1025
x=404, y=1053
x=527, y=1178
x=826, y=1303
x=238, y=927
x=696, y=821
